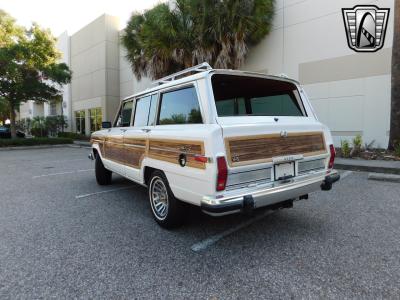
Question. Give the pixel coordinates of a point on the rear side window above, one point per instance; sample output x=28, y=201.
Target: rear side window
x=180, y=107
x=252, y=96
x=142, y=111
x=153, y=110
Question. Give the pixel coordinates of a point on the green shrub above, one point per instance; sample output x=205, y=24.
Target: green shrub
x=73, y=135
x=34, y=141
x=357, y=144
x=357, y=141
x=345, y=148
x=39, y=132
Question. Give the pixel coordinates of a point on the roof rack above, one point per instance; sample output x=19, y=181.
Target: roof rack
x=198, y=68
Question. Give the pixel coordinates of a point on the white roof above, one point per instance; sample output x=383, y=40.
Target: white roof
x=204, y=74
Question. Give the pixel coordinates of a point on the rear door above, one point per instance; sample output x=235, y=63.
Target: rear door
x=136, y=137
x=264, y=120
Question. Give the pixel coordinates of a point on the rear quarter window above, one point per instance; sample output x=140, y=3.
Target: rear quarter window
x=180, y=107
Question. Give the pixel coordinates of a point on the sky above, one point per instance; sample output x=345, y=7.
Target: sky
x=71, y=15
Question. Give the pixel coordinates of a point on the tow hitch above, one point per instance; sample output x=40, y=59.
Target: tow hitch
x=329, y=180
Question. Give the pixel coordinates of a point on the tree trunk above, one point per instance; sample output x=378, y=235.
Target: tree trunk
x=394, y=137
x=12, y=123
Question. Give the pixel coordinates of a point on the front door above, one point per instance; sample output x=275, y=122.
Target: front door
x=114, y=150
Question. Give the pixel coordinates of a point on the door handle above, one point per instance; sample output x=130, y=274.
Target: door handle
x=123, y=130
x=146, y=130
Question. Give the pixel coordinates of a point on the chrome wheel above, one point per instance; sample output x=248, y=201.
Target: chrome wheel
x=159, y=198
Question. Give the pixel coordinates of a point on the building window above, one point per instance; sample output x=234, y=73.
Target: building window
x=80, y=121
x=95, y=119
x=53, y=108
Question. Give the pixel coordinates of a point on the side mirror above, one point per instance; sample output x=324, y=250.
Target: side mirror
x=105, y=125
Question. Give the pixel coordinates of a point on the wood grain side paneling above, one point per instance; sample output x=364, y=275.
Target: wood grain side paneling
x=135, y=151
x=132, y=151
x=169, y=150
x=114, y=149
x=257, y=149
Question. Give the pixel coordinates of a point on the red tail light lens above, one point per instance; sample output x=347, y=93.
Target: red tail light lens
x=332, y=158
x=201, y=158
x=222, y=173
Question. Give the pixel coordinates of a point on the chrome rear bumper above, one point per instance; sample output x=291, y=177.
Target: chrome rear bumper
x=276, y=192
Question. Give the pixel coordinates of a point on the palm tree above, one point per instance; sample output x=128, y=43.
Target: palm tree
x=174, y=36
x=394, y=138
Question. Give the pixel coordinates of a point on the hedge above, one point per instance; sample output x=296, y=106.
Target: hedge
x=73, y=135
x=34, y=141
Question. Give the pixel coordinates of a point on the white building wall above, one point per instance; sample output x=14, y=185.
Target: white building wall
x=30, y=109
x=65, y=107
x=95, y=67
x=350, y=91
x=128, y=82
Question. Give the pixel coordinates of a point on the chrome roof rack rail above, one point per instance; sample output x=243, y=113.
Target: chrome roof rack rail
x=198, y=68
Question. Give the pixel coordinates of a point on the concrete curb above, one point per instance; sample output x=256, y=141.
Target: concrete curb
x=374, y=166
x=384, y=177
x=373, y=169
x=82, y=143
x=34, y=147
x=74, y=145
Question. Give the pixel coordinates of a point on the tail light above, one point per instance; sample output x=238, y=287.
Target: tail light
x=201, y=158
x=332, y=158
x=222, y=173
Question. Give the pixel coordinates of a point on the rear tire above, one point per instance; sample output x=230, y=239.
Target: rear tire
x=103, y=176
x=166, y=209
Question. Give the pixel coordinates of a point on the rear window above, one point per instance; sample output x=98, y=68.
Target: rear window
x=252, y=96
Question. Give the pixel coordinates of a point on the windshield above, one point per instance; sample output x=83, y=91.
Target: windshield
x=253, y=96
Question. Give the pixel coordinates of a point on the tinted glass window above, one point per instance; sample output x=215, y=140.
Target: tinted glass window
x=180, y=107
x=245, y=95
x=231, y=107
x=126, y=112
x=153, y=110
x=142, y=111
x=281, y=105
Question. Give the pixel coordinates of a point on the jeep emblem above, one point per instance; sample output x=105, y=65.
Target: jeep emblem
x=284, y=134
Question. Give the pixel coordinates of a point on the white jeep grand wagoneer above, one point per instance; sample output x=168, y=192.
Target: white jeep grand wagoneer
x=226, y=141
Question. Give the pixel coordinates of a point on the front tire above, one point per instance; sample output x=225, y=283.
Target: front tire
x=103, y=176
x=166, y=209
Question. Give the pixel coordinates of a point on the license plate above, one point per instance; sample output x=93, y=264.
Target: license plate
x=284, y=171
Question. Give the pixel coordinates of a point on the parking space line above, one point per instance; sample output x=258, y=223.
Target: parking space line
x=204, y=244
x=102, y=192
x=61, y=173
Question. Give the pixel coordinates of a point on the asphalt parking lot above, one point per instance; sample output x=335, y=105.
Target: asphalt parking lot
x=63, y=236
